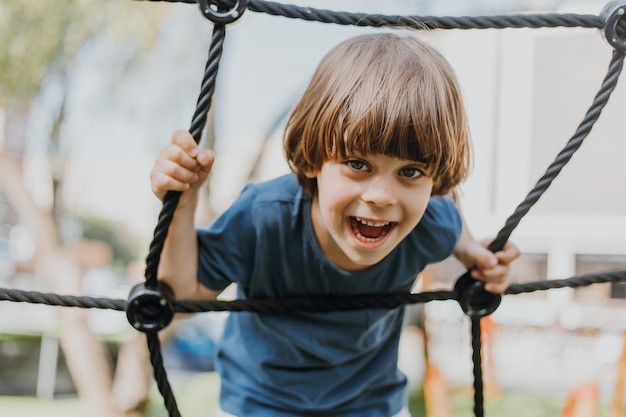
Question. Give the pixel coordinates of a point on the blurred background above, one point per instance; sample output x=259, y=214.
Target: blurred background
x=90, y=91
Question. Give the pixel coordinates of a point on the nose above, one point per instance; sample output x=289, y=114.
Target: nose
x=380, y=192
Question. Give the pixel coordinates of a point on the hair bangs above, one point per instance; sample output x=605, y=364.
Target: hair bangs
x=383, y=117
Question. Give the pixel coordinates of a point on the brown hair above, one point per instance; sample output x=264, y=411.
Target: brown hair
x=381, y=94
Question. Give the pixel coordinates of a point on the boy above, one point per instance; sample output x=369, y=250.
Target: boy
x=377, y=142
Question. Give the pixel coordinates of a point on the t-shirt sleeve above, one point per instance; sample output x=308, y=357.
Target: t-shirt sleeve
x=226, y=248
x=439, y=230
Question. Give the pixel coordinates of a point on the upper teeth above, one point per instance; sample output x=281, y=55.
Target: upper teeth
x=370, y=223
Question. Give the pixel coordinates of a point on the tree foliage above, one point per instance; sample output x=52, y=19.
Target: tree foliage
x=40, y=37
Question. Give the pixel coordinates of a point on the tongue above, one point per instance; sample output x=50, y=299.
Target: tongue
x=371, y=232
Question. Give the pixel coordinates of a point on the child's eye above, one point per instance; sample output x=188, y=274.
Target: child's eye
x=357, y=165
x=411, y=173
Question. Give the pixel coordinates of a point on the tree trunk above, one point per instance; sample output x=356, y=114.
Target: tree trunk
x=61, y=267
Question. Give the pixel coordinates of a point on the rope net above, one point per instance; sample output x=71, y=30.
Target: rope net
x=147, y=306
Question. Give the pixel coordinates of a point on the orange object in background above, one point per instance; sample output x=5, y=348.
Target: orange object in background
x=487, y=330
x=435, y=393
x=582, y=401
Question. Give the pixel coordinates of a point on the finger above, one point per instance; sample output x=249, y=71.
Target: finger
x=509, y=253
x=180, y=156
x=205, y=159
x=485, y=259
x=497, y=288
x=496, y=274
x=162, y=183
x=184, y=140
x=176, y=171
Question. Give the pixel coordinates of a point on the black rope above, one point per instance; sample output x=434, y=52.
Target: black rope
x=426, y=22
x=325, y=304
x=574, y=282
x=602, y=97
x=600, y=100
x=171, y=199
x=208, y=83
x=314, y=304
x=35, y=297
x=479, y=410
x=517, y=21
x=160, y=375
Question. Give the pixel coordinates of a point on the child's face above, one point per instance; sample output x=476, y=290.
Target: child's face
x=365, y=205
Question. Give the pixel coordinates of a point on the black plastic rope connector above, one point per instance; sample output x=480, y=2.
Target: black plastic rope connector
x=475, y=301
x=216, y=13
x=150, y=309
x=614, y=18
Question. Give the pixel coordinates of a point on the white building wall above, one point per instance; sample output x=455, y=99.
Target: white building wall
x=527, y=90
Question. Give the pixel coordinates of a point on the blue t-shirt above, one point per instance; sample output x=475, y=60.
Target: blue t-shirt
x=310, y=364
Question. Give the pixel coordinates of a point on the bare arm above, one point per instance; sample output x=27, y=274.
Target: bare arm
x=491, y=268
x=181, y=166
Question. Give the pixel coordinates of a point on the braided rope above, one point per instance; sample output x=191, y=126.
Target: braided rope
x=160, y=375
x=552, y=172
x=319, y=304
x=171, y=199
x=35, y=297
x=425, y=22
x=583, y=130
x=575, y=282
x=170, y=202
x=363, y=301
x=479, y=410
x=518, y=21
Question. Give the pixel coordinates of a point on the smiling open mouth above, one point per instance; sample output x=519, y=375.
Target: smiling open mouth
x=369, y=231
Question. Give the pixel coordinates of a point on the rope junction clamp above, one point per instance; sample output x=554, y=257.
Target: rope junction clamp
x=615, y=24
x=150, y=309
x=475, y=301
x=213, y=10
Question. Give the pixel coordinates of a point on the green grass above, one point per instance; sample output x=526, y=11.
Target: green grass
x=199, y=398
x=509, y=404
x=29, y=407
